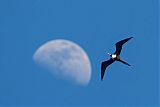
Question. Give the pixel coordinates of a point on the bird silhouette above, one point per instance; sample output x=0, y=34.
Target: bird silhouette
x=114, y=57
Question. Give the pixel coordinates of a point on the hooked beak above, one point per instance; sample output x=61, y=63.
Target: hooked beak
x=109, y=54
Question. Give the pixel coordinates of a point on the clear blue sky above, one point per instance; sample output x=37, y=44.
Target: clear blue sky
x=96, y=25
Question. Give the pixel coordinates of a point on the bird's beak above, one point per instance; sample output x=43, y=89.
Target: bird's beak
x=109, y=54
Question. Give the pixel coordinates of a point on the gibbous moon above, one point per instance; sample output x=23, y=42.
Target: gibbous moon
x=65, y=59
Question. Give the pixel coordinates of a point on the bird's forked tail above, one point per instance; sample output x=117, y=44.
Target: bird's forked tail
x=124, y=62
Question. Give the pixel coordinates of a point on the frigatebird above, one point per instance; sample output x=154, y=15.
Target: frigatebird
x=114, y=57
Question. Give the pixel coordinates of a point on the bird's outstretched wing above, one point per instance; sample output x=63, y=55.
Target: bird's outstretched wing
x=104, y=65
x=119, y=45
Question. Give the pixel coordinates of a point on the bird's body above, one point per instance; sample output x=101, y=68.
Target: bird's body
x=114, y=57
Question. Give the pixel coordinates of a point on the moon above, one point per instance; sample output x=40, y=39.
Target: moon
x=65, y=59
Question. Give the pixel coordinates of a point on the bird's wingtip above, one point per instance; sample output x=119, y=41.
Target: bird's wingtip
x=101, y=78
x=131, y=37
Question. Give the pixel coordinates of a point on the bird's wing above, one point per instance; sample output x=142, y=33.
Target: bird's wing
x=104, y=65
x=119, y=45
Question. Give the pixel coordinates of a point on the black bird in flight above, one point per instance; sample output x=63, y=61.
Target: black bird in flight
x=114, y=57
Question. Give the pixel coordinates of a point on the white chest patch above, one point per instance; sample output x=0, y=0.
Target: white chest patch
x=114, y=56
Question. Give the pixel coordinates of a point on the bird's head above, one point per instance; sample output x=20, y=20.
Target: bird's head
x=109, y=54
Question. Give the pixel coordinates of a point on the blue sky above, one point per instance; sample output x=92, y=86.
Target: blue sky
x=96, y=25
